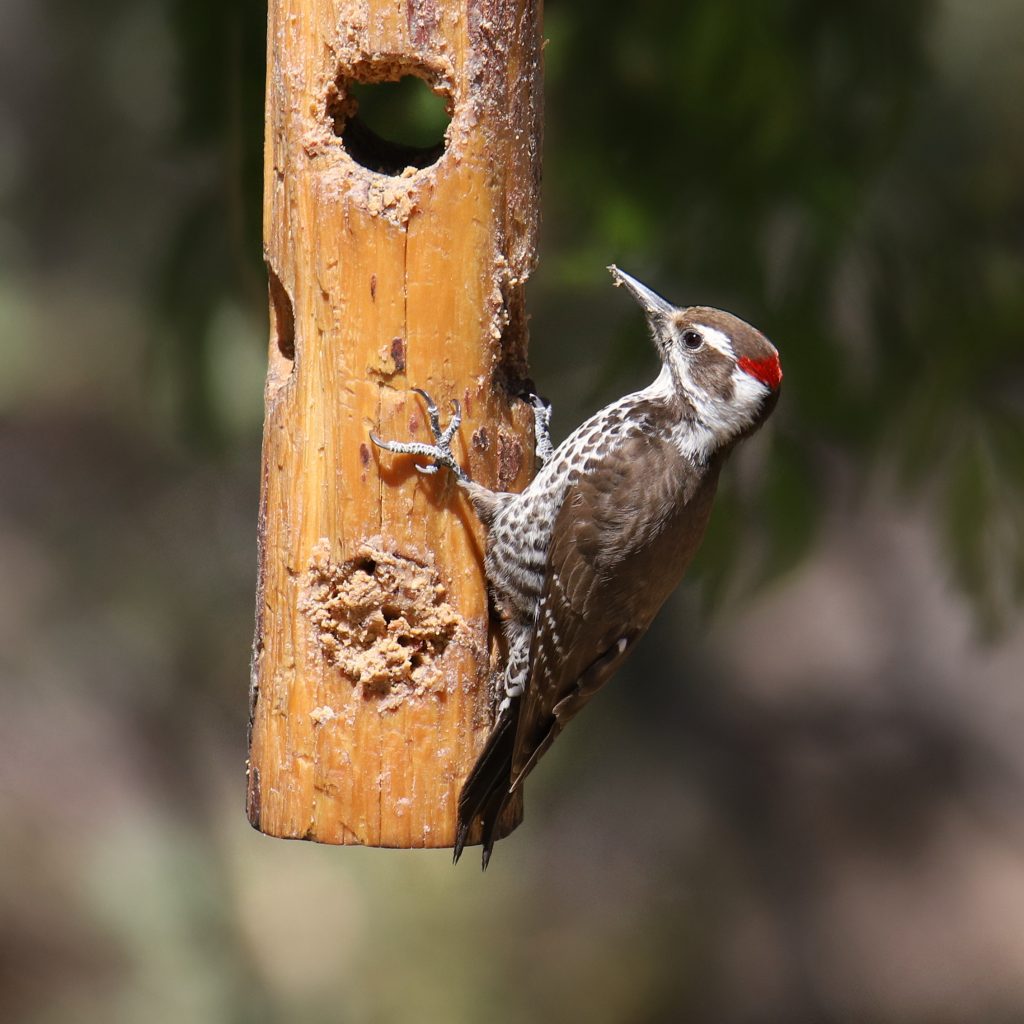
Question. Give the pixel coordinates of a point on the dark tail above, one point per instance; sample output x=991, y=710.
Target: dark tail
x=486, y=791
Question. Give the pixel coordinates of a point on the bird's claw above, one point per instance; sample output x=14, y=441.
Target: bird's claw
x=440, y=451
x=435, y=419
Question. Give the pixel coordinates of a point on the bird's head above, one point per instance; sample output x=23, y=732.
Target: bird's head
x=727, y=371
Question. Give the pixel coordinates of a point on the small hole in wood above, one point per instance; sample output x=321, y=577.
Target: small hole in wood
x=283, y=320
x=368, y=565
x=389, y=118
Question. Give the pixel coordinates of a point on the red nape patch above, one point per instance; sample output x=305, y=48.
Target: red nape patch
x=767, y=371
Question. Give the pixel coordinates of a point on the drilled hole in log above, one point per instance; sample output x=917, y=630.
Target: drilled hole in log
x=283, y=319
x=390, y=116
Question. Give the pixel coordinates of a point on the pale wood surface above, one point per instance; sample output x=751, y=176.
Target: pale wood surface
x=370, y=663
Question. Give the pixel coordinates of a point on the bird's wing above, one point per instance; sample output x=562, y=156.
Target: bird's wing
x=619, y=546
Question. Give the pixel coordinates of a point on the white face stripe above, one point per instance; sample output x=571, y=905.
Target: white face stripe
x=749, y=393
x=716, y=339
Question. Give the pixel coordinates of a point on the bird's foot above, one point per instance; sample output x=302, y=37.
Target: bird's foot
x=441, y=450
x=542, y=446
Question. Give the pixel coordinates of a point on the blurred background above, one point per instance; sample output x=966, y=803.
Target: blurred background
x=802, y=801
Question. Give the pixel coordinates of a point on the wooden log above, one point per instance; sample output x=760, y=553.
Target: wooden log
x=373, y=650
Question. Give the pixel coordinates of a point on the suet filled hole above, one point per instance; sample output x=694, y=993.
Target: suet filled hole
x=390, y=117
x=382, y=621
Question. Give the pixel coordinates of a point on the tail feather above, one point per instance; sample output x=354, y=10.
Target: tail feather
x=486, y=791
x=490, y=816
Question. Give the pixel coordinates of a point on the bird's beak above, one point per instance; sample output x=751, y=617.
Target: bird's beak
x=651, y=302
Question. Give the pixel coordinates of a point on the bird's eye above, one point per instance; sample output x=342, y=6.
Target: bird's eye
x=692, y=339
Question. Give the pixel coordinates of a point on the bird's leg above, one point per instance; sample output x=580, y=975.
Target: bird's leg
x=441, y=450
x=543, y=448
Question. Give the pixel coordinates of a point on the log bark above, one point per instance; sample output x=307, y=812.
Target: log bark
x=370, y=690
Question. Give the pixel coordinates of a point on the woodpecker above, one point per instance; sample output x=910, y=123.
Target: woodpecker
x=579, y=563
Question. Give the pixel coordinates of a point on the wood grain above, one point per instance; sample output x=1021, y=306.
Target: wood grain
x=370, y=693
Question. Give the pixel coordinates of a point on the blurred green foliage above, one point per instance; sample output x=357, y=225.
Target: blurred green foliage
x=215, y=249
x=817, y=168
x=806, y=808
x=406, y=111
